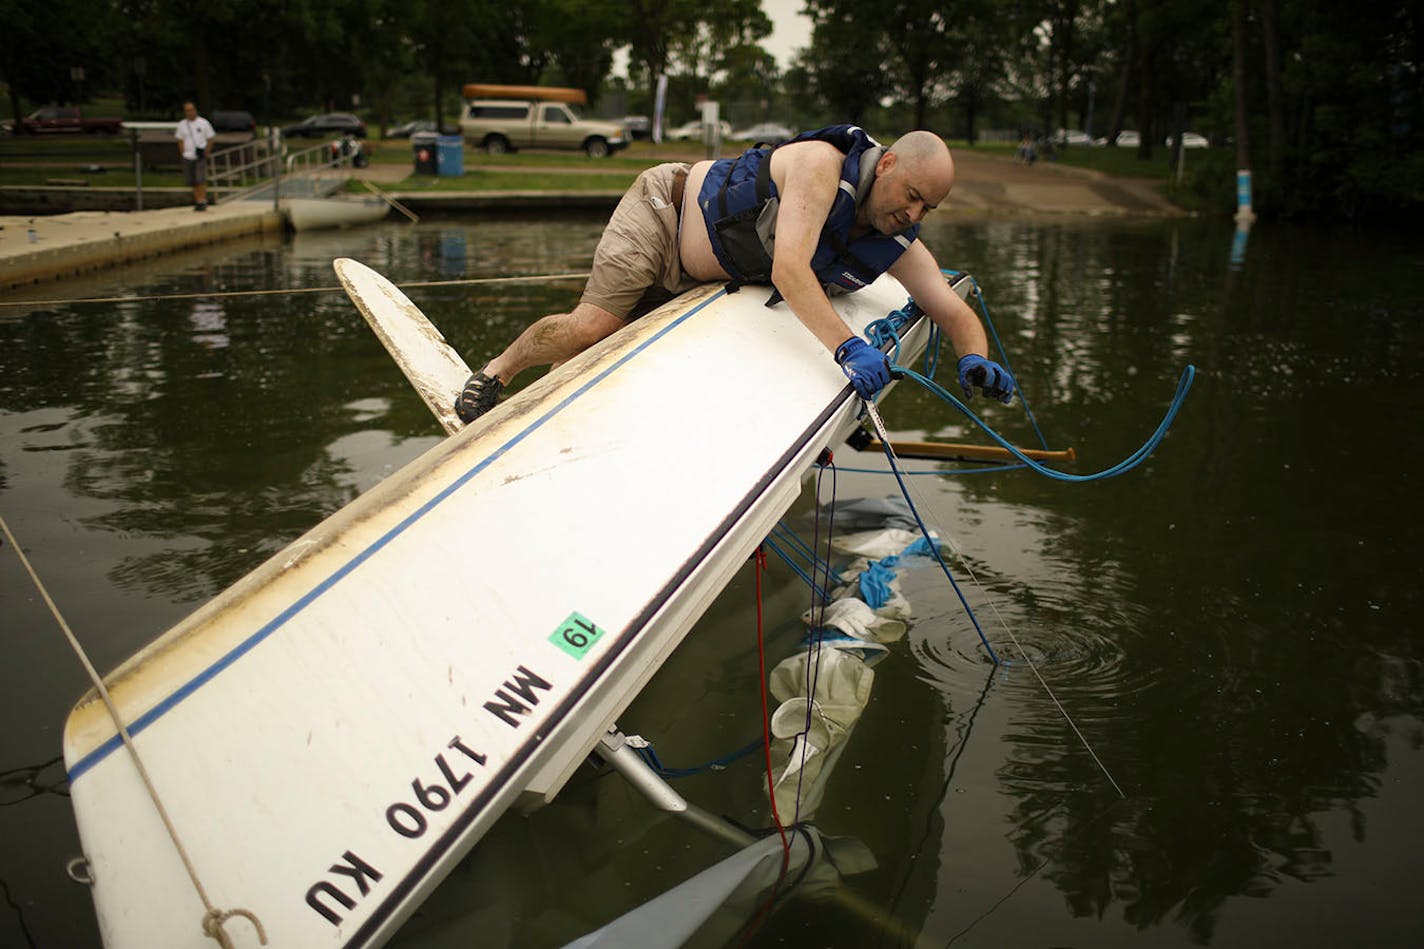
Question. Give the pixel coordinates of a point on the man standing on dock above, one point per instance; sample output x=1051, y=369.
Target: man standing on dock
x=193, y=134
x=827, y=212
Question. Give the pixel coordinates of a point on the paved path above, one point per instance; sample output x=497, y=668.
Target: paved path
x=997, y=184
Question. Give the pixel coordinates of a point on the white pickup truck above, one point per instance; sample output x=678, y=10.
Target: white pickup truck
x=501, y=119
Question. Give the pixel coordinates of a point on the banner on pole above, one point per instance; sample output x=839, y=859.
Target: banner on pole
x=659, y=101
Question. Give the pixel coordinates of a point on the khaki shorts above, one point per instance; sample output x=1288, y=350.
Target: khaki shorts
x=637, y=266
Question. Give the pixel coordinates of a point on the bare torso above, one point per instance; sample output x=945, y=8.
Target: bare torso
x=698, y=261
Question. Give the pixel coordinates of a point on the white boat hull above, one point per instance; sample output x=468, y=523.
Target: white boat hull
x=332, y=733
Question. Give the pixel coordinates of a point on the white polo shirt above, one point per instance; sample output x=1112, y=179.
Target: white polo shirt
x=194, y=135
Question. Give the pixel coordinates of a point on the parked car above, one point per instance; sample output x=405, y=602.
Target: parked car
x=769, y=132
x=66, y=119
x=1126, y=138
x=638, y=126
x=502, y=119
x=233, y=126
x=327, y=124
x=407, y=129
x=1071, y=137
x=692, y=131
x=1189, y=140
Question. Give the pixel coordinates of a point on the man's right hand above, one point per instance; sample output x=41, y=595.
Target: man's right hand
x=866, y=367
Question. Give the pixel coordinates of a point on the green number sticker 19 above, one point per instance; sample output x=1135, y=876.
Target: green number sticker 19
x=576, y=635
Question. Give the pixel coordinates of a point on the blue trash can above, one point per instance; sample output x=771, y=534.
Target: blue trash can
x=450, y=155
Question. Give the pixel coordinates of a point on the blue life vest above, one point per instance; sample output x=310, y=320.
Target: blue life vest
x=739, y=204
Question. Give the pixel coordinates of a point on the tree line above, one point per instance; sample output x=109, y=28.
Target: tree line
x=1322, y=99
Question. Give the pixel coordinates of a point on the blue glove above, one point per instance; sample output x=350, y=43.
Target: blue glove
x=988, y=375
x=865, y=366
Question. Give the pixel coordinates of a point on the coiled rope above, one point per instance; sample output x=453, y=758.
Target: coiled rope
x=213, y=918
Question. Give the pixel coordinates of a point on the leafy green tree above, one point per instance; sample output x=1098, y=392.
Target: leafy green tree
x=577, y=38
x=453, y=42
x=979, y=78
x=844, y=60
x=40, y=43
x=655, y=29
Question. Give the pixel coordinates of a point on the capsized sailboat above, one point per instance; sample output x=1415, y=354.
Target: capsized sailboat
x=331, y=734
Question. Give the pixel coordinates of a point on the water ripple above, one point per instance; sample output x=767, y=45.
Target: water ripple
x=1083, y=656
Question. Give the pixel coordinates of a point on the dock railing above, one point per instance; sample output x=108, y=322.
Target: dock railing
x=257, y=167
x=236, y=172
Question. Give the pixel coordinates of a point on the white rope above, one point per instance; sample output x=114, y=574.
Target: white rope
x=213, y=918
x=293, y=291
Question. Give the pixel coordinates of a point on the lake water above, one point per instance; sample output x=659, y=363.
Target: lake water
x=1233, y=627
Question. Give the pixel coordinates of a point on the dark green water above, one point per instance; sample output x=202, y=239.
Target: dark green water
x=1233, y=626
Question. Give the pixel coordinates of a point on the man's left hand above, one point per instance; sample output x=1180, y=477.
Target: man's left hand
x=993, y=379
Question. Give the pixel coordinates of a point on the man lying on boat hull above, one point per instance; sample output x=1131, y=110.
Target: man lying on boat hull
x=827, y=212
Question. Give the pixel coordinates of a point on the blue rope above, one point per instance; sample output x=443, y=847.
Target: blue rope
x=1003, y=353
x=888, y=328
x=934, y=549
x=1184, y=385
x=806, y=578
x=932, y=346
x=794, y=539
x=651, y=758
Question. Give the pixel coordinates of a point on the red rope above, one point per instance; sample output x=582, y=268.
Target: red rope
x=757, y=920
x=766, y=713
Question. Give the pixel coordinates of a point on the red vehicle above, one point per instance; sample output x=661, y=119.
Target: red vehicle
x=66, y=119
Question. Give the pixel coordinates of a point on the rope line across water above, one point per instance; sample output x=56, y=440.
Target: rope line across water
x=293, y=291
x=213, y=918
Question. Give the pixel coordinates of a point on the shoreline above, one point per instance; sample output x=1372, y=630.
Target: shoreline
x=39, y=243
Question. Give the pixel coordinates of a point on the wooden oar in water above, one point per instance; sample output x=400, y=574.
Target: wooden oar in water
x=954, y=451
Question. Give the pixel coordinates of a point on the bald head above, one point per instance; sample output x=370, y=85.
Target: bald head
x=911, y=178
x=924, y=157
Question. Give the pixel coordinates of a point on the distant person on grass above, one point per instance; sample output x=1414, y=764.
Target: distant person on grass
x=827, y=212
x=193, y=134
x=1027, y=151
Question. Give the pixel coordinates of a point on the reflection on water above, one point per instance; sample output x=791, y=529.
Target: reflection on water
x=1231, y=625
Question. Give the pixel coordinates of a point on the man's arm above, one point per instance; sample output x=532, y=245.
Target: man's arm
x=807, y=176
x=920, y=273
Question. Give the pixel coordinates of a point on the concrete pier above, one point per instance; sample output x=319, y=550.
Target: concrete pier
x=49, y=247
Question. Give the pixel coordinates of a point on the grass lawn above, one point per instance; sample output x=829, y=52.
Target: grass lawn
x=107, y=161
x=69, y=177
x=639, y=156
x=477, y=180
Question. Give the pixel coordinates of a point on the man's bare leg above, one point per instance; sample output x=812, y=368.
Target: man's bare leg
x=553, y=340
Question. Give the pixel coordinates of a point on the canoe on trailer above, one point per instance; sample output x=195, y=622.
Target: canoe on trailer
x=331, y=734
